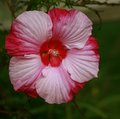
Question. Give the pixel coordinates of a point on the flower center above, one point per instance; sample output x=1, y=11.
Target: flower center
x=52, y=52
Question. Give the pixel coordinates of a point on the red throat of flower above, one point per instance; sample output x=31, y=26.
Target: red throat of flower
x=52, y=52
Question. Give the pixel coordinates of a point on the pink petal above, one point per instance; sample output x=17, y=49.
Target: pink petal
x=29, y=30
x=72, y=27
x=56, y=86
x=24, y=71
x=83, y=64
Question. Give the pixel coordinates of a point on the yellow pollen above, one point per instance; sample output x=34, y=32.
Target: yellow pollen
x=53, y=52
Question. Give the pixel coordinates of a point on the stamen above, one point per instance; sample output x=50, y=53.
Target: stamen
x=53, y=52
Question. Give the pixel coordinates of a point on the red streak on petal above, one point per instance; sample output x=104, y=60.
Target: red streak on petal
x=75, y=89
x=29, y=91
x=94, y=45
x=15, y=46
x=57, y=13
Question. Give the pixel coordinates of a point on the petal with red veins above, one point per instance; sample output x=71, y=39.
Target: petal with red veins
x=83, y=64
x=72, y=27
x=24, y=71
x=56, y=86
x=29, y=30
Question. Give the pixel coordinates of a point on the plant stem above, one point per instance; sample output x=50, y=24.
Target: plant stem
x=77, y=107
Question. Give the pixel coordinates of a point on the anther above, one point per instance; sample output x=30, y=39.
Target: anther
x=53, y=52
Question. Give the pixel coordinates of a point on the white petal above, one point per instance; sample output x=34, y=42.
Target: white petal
x=24, y=71
x=72, y=27
x=83, y=64
x=29, y=30
x=35, y=25
x=56, y=85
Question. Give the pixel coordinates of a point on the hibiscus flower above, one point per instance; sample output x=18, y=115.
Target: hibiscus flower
x=53, y=55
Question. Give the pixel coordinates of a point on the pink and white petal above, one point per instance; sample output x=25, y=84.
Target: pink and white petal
x=29, y=30
x=72, y=27
x=56, y=86
x=24, y=71
x=83, y=64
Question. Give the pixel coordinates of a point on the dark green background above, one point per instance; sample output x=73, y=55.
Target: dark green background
x=99, y=99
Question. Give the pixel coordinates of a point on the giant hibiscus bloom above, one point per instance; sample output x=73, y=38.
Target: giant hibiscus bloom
x=53, y=55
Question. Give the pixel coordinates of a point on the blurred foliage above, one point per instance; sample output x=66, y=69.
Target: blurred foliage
x=99, y=99
x=17, y=6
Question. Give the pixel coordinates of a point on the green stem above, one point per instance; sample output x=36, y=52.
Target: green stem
x=77, y=107
x=68, y=112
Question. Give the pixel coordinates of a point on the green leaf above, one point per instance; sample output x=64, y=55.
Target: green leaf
x=109, y=100
x=93, y=109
